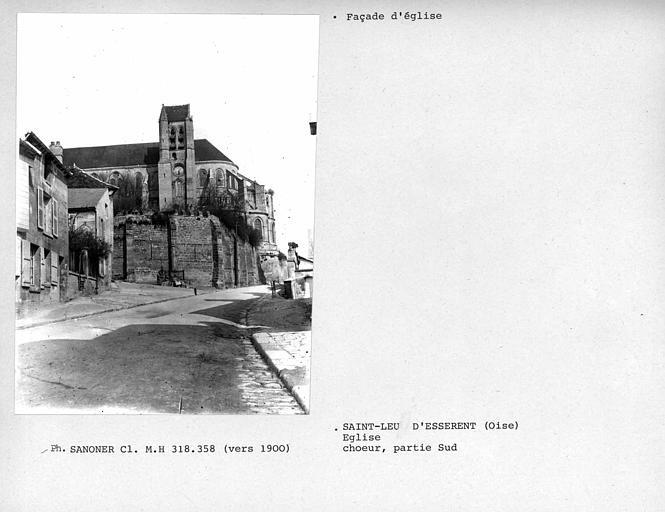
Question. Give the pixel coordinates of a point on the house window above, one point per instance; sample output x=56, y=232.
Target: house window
x=26, y=263
x=35, y=263
x=54, y=269
x=40, y=208
x=19, y=255
x=47, y=214
x=54, y=220
x=46, y=266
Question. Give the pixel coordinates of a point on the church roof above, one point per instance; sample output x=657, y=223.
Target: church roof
x=205, y=151
x=121, y=155
x=84, y=198
x=177, y=112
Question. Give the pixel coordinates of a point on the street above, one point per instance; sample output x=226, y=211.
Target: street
x=188, y=355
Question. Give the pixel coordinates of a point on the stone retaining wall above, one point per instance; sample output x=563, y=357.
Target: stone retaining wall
x=204, y=249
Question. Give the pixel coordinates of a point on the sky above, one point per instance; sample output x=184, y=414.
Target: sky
x=250, y=80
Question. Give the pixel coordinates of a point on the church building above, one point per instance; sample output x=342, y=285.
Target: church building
x=178, y=173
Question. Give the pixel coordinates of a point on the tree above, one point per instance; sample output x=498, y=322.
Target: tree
x=229, y=208
x=83, y=241
x=125, y=199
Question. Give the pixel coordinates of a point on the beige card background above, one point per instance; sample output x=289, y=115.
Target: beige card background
x=490, y=245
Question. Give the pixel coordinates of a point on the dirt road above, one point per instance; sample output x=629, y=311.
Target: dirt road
x=191, y=355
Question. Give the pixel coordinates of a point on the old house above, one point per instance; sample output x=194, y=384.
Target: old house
x=41, y=223
x=91, y=211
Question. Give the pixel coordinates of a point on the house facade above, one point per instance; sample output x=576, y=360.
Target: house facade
x=41, y=223
x=91, y=210
x=178, y=173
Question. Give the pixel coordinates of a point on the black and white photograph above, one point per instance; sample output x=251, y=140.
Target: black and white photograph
x=164, y=220
x=481, y=185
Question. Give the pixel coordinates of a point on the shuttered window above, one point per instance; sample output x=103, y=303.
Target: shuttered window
x=42, y=257
x=54, y=268
x=19, y=255
x=26, y=270
x=55, y=217
x=40, y=208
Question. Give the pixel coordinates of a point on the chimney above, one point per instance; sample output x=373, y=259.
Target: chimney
x=57, y=150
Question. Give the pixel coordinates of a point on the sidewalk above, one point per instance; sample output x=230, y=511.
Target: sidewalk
x=286, y=341
x=124, y=296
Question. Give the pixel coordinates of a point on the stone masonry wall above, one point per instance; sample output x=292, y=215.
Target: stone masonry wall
x=118, y=259
x=201, y=247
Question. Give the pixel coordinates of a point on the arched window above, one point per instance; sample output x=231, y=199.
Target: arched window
x=179, y=184
x=258, y=225
x=138, y=185
x=114, y=179
x=219, y=173
x=178, y=191
x=172, y=138
x=203, y=178
x=233, y=182
x=274, y=237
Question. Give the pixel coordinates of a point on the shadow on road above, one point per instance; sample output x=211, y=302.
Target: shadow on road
x=234, y=311
x=250, y=295
x=152, y=368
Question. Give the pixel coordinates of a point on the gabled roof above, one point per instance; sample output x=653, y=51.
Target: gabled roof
x=44, y=149
x=205, y=151
x=79, y=179
x=84, y=198
x=122, y=155
x=112, y=156
x=177, y=112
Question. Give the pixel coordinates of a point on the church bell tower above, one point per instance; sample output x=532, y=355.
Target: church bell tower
x=176, y=167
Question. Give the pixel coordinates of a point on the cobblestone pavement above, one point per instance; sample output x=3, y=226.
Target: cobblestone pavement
x=191, y=355
x=285, y=341
x=288, y=354
x=261, y=391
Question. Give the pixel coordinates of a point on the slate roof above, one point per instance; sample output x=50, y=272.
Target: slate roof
x=205, y=151
x=84, y=198
x=177, y=112
x=78, y=179
x=120, y=155
x=50, y=157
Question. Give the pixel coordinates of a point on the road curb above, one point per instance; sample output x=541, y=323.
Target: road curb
x=283, y=377
x=108, y=310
